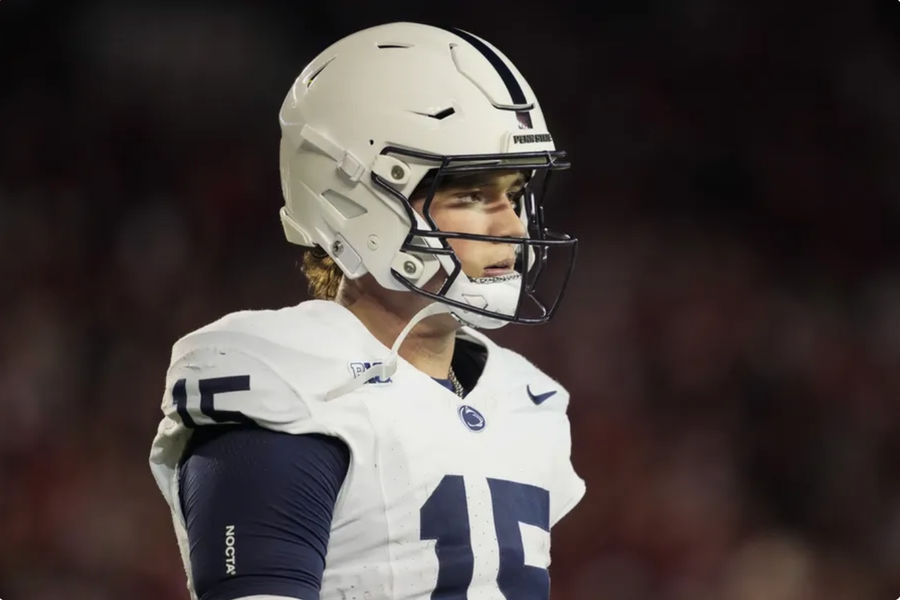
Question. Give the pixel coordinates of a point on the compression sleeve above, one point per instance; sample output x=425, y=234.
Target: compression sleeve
x=258, y=507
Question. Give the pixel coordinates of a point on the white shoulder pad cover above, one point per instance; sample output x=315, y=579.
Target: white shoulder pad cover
x=272, y=369
x=217, y=385
x=214, y=384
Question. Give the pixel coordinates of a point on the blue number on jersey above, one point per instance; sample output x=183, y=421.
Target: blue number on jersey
x=208, y=390
x=516, y=503
x=444, y=517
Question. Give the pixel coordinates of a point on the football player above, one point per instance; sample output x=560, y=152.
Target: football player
x=371, y=443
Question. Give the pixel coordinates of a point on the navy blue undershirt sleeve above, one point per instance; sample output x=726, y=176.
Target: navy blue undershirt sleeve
x=258, y=506
x=446, y=383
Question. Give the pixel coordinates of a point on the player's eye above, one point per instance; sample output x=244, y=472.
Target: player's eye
x=515, y=197
x=469, y=196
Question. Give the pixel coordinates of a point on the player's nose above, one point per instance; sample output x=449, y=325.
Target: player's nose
x=506, y=222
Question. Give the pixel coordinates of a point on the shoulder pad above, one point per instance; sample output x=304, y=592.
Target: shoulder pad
x=216, y=385
x=312, y=347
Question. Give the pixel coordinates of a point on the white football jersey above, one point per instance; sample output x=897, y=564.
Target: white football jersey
x=447, y=493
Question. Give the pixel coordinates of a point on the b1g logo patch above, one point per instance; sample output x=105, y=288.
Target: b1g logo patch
x=358, y=368
x=471, y=418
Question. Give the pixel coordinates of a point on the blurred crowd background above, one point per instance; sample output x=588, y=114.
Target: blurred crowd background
x=731, y=337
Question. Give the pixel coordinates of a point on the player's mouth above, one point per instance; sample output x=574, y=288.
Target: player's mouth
x=499, y=269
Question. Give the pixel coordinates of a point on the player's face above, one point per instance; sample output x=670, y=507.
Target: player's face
x=481, y=204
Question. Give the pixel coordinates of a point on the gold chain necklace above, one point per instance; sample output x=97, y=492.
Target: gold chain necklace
x=457, y=386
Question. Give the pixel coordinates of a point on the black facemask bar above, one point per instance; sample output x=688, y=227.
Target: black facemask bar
x=532, y=252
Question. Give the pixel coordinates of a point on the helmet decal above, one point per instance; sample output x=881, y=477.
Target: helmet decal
x=516, y=95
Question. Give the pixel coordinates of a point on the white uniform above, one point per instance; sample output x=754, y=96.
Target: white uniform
x=441, y=491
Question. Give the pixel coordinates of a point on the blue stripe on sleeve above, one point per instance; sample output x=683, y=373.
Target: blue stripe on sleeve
x=258, y=506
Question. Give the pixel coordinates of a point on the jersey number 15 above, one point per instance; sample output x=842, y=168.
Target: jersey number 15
x=445, y=518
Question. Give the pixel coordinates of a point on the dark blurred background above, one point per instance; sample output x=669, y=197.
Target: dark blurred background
x=731, y=338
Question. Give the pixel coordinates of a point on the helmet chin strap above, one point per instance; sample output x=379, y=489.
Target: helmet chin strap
x=497, y=294
x=388, y=366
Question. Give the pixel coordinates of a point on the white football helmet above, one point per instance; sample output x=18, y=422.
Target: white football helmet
x=382, y=109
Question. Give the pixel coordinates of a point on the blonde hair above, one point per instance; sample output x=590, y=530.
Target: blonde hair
x=323, y=276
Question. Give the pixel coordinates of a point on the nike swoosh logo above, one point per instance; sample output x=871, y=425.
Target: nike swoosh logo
x=539, y=398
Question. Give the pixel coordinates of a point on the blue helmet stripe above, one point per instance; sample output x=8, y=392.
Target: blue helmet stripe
x=515, y=90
